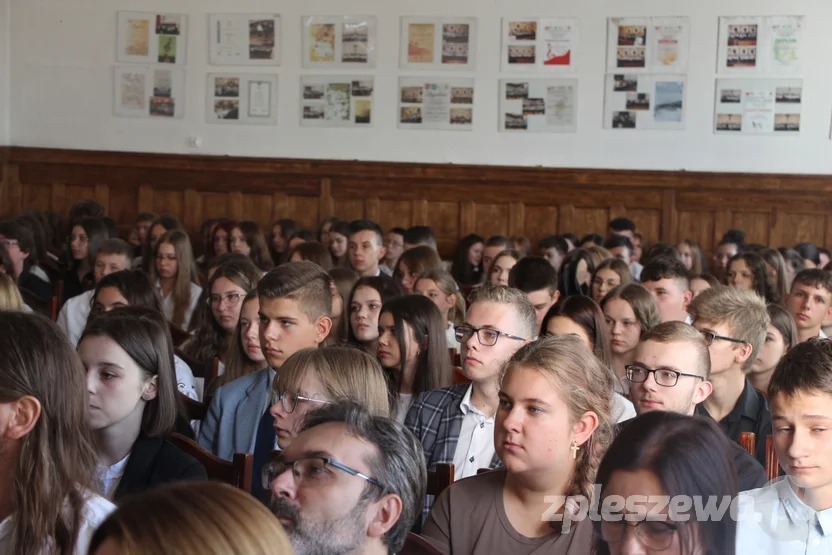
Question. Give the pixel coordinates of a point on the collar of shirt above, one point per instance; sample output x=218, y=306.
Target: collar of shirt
x=465, y=406
x=799, y=511
x=822, y=335
x=748, y=406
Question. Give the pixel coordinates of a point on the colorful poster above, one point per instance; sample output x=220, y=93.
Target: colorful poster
x=244, y=39
x=758, y=106
x=337, y=101
x=757, y=44
x=438, y=43
x=648, y=45
x=436, y=103
x=535, y=44
x=538, y=105
x=338, y=42
x=148, y=91
x=151, y=38
x=639, y=101
x=241, y=99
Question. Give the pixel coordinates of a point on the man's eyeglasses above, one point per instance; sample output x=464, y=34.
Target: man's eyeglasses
x=655, y=535
x=663, y=376
x=290, y=400
x=310, y=471
x=231, y=299
x=486, y=336
x=710, y=336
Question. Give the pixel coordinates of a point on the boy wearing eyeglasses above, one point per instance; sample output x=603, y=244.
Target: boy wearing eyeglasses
x=733, y=322
x=671, y=372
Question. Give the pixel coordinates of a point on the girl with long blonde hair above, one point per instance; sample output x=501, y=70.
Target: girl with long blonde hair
x=175, y=275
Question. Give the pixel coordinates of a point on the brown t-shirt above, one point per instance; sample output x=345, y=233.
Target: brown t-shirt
x=470, y=518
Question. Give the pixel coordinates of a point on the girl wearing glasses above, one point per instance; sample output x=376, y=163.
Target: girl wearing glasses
x=220, y=314
x=412, y=349
x=668, y=455
x=175, y=276
x=311, y=378
x=608, y=275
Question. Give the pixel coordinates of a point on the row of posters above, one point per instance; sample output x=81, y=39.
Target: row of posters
x=539, y=105
x=149, y=91
x=241, y=99
x=428, y=103
x=756, y=45
x=337, y=101
x=648, y=44
x=151, y=38
x=534, y=44
x=758, y=106
x=633, y=101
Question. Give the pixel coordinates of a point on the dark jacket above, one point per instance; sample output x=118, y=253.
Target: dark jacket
x=153, y=462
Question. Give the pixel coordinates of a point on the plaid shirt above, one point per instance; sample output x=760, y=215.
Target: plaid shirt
x=435, y=418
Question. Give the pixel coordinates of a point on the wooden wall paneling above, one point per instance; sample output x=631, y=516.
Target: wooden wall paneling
x=723, y=221
x=516, y=215
x=443, y=219
x=372, y=210
x=145, y=199
x=650, y=224
x=467, y=218
x=76, y=193
x=124, y=209
x=395, y=213
x=590, y=220
x=326, y=206
x=491, y=219
x=235, y=206
x=37, y=196
x=192, y=218
x=540, y=222
x=258, y=207
x=669, y=221
x=798, y=228
x=420, y=212
x=102, y=195
x=756, y=225
x=349, y=209
x=698, y=226
x=280, y=206
x=566, y=218
x=304, y=210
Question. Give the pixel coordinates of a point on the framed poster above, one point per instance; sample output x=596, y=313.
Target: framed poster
x=438, y=43
x=241, y=99
x=149, y=92
x=539, y=105
x=540, y=44
x=244, y=39
x=758, y=106
x=337, y=100
x=152, y=38
x=648, y=44
x=338, y=42
x=644, y=101
x=760, y=44
x=436, y=103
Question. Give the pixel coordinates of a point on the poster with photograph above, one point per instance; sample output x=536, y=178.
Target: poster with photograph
x=241, y=99
x=648, y=44
x=151, y=38
x=438, y=43
x=145, y=91
x=539, y=105
x=758, y=106
x=540, y=44
x=338, y=42
x=436, y=103
x=336, y=100
x=634, y=101
x=244, y=39
x=760, y=44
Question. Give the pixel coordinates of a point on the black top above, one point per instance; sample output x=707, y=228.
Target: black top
x=153, y=462
x=750, y=414
x=73, y=287
x=33, y=284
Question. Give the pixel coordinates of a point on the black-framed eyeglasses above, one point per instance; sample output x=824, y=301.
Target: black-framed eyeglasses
x=290, y=400
x=231, y=299
x=663, y=376
x=486, y=336
x=310, y=471
x=710, y=336
x=655, y=535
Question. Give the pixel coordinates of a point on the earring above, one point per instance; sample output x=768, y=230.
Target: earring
x=575, y=449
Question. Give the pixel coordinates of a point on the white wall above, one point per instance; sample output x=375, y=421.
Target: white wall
x=5, y=42
x=63, y=52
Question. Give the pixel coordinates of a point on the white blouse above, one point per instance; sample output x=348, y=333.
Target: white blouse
x=167, y=304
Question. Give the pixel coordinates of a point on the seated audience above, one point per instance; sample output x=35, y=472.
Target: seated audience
x=552, y=426
x=419, y=235
x=501, y=268
x=700, y=282
x=456, y=424
x=781, y=336
x=623, y=227
x=339, y=237
x=591, y=240
x=776, y=267
x=620, y=247
x=810, y=302
x=576, y=273
x=282, y=230
x=312, y=378
x=208, y=518
x=691, y=256
x=662, y=455
x=158, y=227
x=412, y=350
x=553, y=249
x=300, y=236
x=749, y=270
x=351, y=482
x=810, y=255
x=128, y=356
x=314, y=252
x=669, y=283
x=607, y=276
x=343, y=280
x=87, y=236
x=664, y=250
x=365, y=302
x=19, y=244
x=522, y=245
x=630, y=311
x=791, y=515
x=114, y=255
x=174, y=275
x=247, y=239
x=323, y=229
x=731, y=244
x=571, y=241
x=733, y=322
x=494, y=246
x=394, y=243
x=671, y=372
x=535, y=277
x=366, y=248
x=244, y=352
x=413, y=263
x=793, y=264
x=440, y=287
x=47, y=456
x=467, y=265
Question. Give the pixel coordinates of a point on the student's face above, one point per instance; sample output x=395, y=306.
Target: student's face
x=364, y=310
x=166, y=263
x=723, y=254
x=155, y=232
x=79, y=243
x=482, y=363
x=685, y=255
x=501, y=269
x=365, y=252
x=488, y=255
x=395, y=246
x=328, y=515
x=622, y=253
x=637, y=249
x=772, y=350
x=337, y=302
x=475, y=254
x=698, y=285
x=220, y=242
x=678, y=356
x=106, y=264
x=563, y=325
x=542, y=300
x=809, y=305
x=287, y=424
x=15, y=254
x=621, y=536
x=109, y=298
x=553, y=257
x=724, y=354
x=250, y=330
x=671, y=298
x=429, y=289
x=323, y=236
x=740, y=275
x=141, y=230
x=532, y=427
x=605, y=280
x=623, y=326
x=408, y=278
x=801, y=427
x=278, y=242
x=337, y=244
x=116, y=387
x=225, y=303
x=389, y=353
x=285, y=330
x=238, y=242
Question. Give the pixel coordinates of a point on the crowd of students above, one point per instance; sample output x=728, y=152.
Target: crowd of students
x=572, y=389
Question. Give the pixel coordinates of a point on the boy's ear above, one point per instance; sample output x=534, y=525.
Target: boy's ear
x=322, y=328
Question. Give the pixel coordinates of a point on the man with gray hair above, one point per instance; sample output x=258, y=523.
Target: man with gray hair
x=350, y=482
x=456, y=424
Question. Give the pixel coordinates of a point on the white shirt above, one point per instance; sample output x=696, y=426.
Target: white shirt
x=635, y=270
x=773, y=520
x=110, y=476
x=405, y=400
x=74, y=314
x=475, y=446
x=167, y=304
x=622, y=408
x=185, y=381
x=822, y=335
x=95, y=511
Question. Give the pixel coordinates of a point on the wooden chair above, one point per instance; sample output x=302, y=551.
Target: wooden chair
x=418, y=545
x=194, y=409
x=772, y=464
x=208, y=370
x=440, y=479
x=748, y=441
x=238, y=472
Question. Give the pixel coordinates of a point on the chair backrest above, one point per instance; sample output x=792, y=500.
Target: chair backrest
x=748, y=441
x=772, y=464
x=418, y=545
x=205, y=369
x=194, y=409
x=37, y=304
x=440, y=478
x=238, y=472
